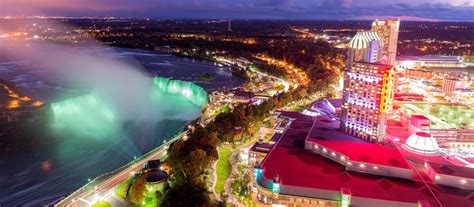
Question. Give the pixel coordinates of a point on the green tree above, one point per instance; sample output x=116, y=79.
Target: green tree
x=137, y=190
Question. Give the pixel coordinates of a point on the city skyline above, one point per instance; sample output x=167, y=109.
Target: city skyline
x=439, y=10
x=188, y=103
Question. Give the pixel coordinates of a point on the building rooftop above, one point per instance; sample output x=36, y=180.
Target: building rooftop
x=326, y=133
x=420, y=117
x=430, y=58
x=264, y=147
x=452, y=170
x=156, y=175
x=295, y=115
x=422, y=142
x=301, y=168
x=275, y=137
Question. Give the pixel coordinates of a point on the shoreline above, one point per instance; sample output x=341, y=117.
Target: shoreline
x=11, y=195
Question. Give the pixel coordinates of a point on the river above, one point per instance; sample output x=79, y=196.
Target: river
x=43, y=176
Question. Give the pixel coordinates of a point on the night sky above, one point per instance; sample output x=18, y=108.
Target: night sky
x=462, y=10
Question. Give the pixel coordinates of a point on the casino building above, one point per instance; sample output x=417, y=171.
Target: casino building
x=354, y=153
x=314, y=163
x=368, y=83
x=367, y=99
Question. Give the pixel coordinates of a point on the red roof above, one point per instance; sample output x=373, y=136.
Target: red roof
x=365, y=152
x=452, y=170
x=326, y=133
x=298, y=167
x=422, y=117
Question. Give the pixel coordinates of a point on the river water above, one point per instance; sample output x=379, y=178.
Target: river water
x=42, y=177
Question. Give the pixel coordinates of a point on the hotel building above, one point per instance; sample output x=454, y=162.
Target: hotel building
x=369, y=81
x=367, y=99
x=388, y=32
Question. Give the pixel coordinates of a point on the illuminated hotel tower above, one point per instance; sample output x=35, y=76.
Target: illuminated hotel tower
x=368, y=88
x=367, y=100
x=388, y=31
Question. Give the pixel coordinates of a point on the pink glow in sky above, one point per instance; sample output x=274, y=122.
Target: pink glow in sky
x=278, y=9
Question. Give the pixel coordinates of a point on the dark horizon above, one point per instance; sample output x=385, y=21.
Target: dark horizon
x=222, y=19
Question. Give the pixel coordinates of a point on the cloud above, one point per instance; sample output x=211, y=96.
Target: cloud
x=275, y=3
x=282, y=9
x=328, y=4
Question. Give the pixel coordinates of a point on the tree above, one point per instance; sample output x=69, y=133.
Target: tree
x=159, y=198
x=137, y=190
x=187, y=194
x=196, y=162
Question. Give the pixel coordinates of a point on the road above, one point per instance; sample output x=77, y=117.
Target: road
x=102, y=188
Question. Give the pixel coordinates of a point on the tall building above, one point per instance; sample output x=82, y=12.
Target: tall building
x=229, y=25
x=388, y=32
x=367, y=100
x=364, y=47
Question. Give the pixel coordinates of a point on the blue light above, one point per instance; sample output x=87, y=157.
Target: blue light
x=276, y=188
x=257, y=172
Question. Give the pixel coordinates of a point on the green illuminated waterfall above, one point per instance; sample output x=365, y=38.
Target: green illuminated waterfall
x=86, y=114
x=94, y=115
x=188, y=90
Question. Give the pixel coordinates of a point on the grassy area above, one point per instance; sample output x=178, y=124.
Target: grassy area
x=299, y=108
x=101, y=204
x=121, y=189
x=221, y=110
x=150, y=199
x=223, y=168
x=442, y=116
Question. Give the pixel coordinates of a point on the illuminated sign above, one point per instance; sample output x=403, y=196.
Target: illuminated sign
x=345, y=197
x=388, y=87
x=257, y=172
x=276, y=188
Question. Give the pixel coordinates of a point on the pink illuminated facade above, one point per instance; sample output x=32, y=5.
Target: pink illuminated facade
x=367, y=99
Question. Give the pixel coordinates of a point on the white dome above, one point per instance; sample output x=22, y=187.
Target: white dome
x=362, y=39
x=422, y=142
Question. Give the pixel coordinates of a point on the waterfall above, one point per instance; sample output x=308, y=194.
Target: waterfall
x=192, y=92
x=99, y=116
